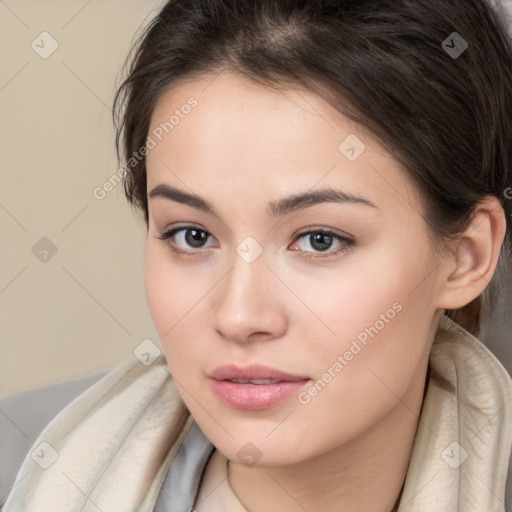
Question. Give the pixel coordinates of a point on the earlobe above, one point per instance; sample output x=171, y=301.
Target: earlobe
x=475, y=256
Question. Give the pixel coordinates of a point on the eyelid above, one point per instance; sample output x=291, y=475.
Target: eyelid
x=323, y=229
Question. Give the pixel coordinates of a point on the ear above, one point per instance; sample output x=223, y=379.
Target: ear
x=474, y=256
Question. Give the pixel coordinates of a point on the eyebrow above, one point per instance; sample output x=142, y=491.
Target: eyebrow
x=284, y=206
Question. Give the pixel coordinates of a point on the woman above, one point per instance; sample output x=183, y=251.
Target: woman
x=325, y=188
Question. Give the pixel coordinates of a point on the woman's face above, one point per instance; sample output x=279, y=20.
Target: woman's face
x=339, y=289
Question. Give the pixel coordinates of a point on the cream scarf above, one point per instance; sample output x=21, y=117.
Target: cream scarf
x=111, y=448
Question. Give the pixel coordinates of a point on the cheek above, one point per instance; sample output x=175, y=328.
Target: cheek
x=380, y=314
x=170, y=289
x=164, y=292
x=347, y=299
x=175, y=298
x=378, y=300
x=159, y=287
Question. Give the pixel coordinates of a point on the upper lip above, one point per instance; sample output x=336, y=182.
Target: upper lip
x=254, y=371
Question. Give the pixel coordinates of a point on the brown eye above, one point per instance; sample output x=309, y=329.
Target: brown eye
x=185, y=237
x=321, y=241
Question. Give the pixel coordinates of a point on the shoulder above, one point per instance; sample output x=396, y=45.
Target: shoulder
x=23, y=416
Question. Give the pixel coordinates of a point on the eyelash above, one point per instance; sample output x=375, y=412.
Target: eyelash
x=346, y=243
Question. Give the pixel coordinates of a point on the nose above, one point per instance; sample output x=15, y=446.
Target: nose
x=249, y=305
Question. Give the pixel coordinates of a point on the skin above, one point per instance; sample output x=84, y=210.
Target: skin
x=241, y=147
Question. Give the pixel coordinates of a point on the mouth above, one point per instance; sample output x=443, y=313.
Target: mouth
x=256, y=382
x=255, y=387
x=253, y=373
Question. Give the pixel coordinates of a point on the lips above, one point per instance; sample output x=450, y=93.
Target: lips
x=254, y=372
x=255, y=387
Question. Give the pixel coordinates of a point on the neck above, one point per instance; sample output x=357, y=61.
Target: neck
x=365, y=475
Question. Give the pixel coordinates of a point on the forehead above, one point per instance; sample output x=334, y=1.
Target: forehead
x=231, y=108
x=241, y=135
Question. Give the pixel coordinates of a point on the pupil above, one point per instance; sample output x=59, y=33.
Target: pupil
x=319, y=241
x=196, y=239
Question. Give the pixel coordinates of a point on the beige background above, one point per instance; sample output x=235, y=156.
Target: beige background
x=84, y=308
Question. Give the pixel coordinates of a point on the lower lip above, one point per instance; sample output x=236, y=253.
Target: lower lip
x=254, y=397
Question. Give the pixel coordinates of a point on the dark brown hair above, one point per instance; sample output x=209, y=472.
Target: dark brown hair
x=386, y=64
